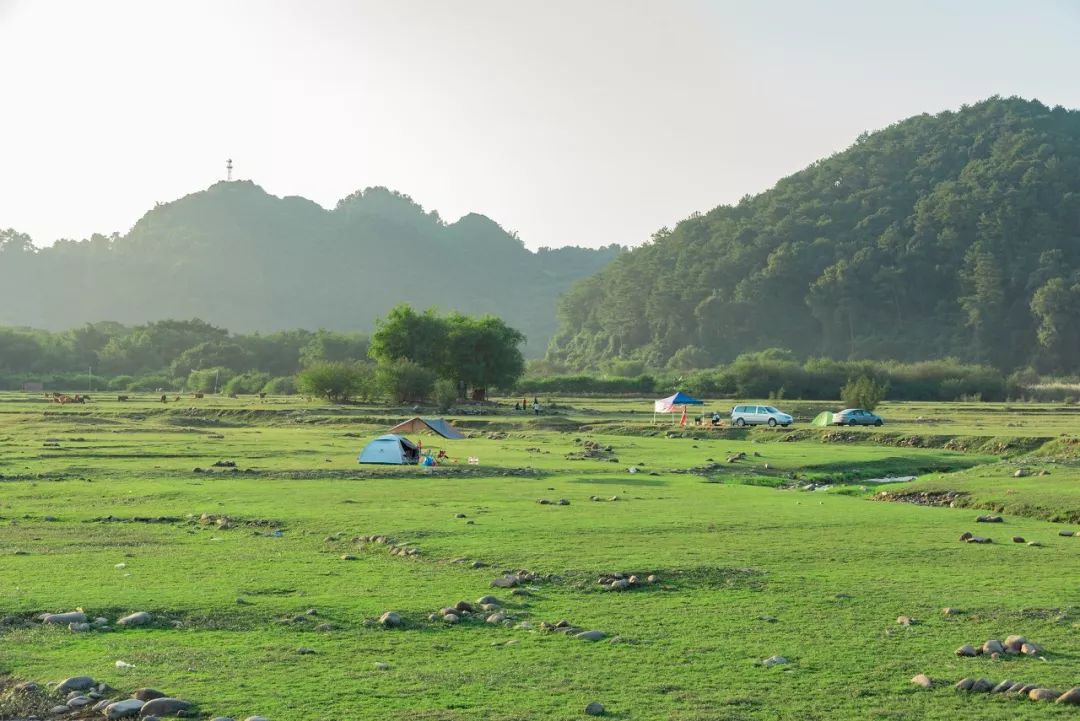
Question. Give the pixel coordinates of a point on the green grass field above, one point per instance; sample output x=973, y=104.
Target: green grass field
x=100, y=508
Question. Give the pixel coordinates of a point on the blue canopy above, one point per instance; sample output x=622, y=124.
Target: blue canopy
x=667, y=405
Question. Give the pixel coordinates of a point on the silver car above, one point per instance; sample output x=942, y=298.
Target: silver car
x=759, y=415
x=856, y=417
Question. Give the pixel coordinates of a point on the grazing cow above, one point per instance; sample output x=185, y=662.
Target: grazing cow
x=122, y=398
x=164, y=398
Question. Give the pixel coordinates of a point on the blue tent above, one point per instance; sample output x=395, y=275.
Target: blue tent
x=671, y=403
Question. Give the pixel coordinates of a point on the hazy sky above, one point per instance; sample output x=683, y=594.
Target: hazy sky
x=572, y=122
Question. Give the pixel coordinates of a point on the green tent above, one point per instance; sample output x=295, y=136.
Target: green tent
x=825, y=418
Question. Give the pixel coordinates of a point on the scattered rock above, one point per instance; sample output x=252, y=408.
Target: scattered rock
x=774, y=661
x=381, y=666
x=139, y=618
x=1031, y=649
x=905, y=620
x=1065, y=533
x=922, y=680
x=595, y=709
x=348, y=557
x=1018, y=539
x=64, y=618
x=390, y=619
x=967, y=650
x=147, y=694
x=983, y=685
x=1034, y=544
x=950, y=611
x=1043, y=694
x=504, y=582
x=980, y=539
x=75, y=683
x=164, y=706
x=1021, y=473
x=1003, y=686
x=305, y=651
x=1071, y=697
x=124, y=709
x=966, y=535
x=993, y=646
x=989, y=519
x=591, y=635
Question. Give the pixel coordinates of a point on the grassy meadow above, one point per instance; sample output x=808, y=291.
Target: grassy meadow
x=100, y=509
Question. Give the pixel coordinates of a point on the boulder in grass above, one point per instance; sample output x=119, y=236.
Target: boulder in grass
x=964, y=684
x=1018, y=539
x=774, y=661
x=390, y=619
x=966, y=535
x=993, y=646
x=905, y=620
x=595, y=709
x=1031, y=649
x=164, y=706
x=75, y=683
x=922, y=680
x=1070, y=697
x=148, y=694
x=1003, y=686
x=64, y=618
x=1065, y=533
x=591, y=635
x=989, y=519
x=1014, y=643
x=127, y=708
x=983, y=685
x=1043, y=694
x=967, y=650
x=139, y=618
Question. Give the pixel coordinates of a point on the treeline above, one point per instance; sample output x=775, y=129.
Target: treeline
x=953, y=235
x=170, y=354
x=777, y=374
x=411, y=356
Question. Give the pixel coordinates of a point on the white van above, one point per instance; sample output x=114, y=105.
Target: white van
x=758, y=416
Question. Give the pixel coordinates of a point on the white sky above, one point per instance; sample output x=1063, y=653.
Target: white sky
x=571, y=121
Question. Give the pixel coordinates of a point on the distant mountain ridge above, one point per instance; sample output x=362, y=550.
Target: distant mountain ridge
x=241, y=258
x=955, y=234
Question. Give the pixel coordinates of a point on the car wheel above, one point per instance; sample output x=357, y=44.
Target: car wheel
x=852, y=423
x=740, y=422
x=878, y=423
x=772, y=423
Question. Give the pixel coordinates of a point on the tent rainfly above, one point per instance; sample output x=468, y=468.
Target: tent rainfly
x=390, y=449
x=438, y=426
x=672, y=403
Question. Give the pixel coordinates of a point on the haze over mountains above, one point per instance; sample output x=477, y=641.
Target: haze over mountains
x=240, y=258
x=956, y=234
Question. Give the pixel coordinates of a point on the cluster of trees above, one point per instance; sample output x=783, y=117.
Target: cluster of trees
x=411, y=356
x=249, y=261
x=775, y=373
x=954, y=235
x=419, y=355
x=171, y=354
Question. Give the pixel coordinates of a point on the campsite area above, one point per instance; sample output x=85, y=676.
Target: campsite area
x=771, y=577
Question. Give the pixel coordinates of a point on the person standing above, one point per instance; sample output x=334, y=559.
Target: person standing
x=536, y=407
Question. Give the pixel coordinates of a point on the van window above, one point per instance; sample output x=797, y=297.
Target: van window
x=762, y=409
x=739, y=409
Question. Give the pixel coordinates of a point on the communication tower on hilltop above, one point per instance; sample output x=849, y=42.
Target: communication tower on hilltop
x=228, y=169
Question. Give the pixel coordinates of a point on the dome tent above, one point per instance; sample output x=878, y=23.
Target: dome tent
x=390, y=449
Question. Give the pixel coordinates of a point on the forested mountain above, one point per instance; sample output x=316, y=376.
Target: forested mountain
x=955, y=234
x=238, y=257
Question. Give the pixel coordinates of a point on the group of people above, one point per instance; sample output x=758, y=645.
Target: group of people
x=524, y=405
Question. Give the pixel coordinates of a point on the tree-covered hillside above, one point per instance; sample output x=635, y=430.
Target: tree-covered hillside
x=236, y=256
x=955, y=234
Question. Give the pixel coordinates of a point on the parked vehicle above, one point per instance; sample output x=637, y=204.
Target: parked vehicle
x=856, y=417
x=759, y=416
